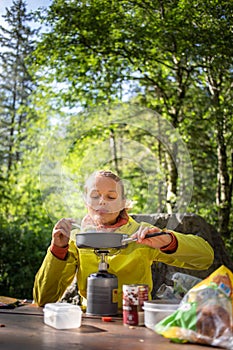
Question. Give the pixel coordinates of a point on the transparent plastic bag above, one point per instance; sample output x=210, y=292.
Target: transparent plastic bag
x=205, y=314
x=182, y=283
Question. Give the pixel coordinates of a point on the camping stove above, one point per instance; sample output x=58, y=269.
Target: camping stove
x=102, y=286
x=102, y=289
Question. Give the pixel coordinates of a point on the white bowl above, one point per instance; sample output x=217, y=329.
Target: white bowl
x=156, y=310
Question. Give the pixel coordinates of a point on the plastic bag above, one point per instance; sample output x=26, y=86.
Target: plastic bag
x=204, y=314
x=182, y=283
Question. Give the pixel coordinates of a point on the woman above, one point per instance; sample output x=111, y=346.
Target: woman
x=106, y=210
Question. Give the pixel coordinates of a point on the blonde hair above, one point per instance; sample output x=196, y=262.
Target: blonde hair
x=106, y=173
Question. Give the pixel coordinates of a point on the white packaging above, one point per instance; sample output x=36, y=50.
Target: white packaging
x=62, y=315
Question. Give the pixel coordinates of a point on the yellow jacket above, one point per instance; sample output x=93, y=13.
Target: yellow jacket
x=131, y=265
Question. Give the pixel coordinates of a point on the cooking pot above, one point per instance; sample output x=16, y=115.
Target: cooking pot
x=107, y=240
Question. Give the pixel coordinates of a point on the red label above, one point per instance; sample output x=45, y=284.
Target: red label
x=134, y=296
x=130, y=315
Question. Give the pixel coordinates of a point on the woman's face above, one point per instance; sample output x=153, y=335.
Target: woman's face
x=104, y=199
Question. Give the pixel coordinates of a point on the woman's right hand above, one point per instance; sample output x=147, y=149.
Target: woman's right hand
x=61, y=232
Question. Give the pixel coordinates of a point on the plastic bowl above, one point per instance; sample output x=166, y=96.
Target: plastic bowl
x=156, y=310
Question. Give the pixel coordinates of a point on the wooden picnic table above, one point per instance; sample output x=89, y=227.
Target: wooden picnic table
x=24, y=328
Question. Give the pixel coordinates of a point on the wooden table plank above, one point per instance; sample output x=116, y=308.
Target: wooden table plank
x=26, y=331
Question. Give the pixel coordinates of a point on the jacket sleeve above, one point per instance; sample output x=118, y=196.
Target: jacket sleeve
x=54, y=276
x=192, y=252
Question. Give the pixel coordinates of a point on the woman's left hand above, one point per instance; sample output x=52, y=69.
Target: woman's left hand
x=153, y=242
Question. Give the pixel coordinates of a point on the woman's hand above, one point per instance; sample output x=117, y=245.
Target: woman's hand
x=153, y=242
x=61, y=232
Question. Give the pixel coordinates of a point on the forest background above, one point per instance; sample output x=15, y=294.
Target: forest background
x=141, y=87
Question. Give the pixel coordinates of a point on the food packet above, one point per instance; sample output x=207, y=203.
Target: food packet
x=204, y=314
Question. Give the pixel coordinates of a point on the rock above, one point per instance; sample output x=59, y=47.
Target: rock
x=187, y=223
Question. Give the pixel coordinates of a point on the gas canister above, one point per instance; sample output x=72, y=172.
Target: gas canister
x=102, y=294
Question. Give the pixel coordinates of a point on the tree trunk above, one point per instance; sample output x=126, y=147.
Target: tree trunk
x=114, y=151
x=171, y=183
x=224, y=189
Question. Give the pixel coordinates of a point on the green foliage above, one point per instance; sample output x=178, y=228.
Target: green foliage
x=174, y=57
x=177, y=56
x=25, y=226
x=15, y=83
x=25, y=231
x=22, y=248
